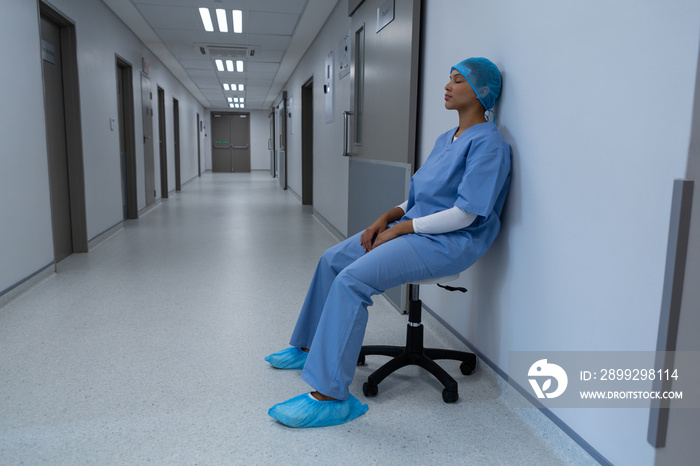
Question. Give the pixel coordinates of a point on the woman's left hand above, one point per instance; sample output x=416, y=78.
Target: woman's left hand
x=397, y=230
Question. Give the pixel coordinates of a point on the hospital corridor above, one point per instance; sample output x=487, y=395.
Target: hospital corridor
x=313, y=232
x=98, y=369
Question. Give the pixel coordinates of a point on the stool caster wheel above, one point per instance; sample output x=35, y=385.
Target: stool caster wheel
x=370, y=390
x=449, y=397
x=361, y=360
x=468, y=368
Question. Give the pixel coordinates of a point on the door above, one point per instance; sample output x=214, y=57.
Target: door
x=149, y=172
x=271, y=145
x=162, y=148
x=281, y=140
x=56, y=139
x=307, y=143
x=240, y=142
x=125, y=103
x=197, y=132
x=176, y=137
x=382, y=134
x=230, y=142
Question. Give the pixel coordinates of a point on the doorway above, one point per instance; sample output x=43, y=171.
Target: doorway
x=63, y=133
x=176, y=136
x=271, y=144
x=127, y=145
x=307, y=142
x=161, y=145
x=280, y=126
x=199, y=148
x=230, y=142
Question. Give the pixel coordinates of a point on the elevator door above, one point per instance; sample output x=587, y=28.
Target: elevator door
x=230, y=142
x=56, y=140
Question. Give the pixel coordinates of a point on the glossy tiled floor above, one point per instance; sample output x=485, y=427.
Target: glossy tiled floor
x=150, y=349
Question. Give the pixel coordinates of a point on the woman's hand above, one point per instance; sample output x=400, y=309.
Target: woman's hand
x=374, y=230
x=369, y=237
x=387, y=234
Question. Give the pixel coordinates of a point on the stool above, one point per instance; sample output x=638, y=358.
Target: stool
x=414, y=353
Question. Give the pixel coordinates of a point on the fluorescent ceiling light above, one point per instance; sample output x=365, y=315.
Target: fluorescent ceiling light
x=230, y=99
x=235, y=99
x=240, y=87
x=242, y=100
x=242, y=106
x=229, y=65
x=237, y=21
x=239, y=66
x=206, y=19
x=238, y=106
x=225, y=85
x=230, y=105
x=233, y=87
x=220, y=65
x=222, y=20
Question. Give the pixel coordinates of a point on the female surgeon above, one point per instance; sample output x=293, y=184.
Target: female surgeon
x=450, y=219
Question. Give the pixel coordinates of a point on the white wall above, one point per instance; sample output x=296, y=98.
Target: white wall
x=25, y=229
x=597, y=104
x=259, y=135
x=25, y=235
x=330, y=197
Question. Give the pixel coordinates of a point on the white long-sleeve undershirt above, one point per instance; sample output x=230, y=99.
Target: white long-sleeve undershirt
x=444, y=221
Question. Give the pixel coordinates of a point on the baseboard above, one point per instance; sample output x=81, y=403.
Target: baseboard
x=542, y=415
x=329, y=227
x=105, y=235
x=17, y=289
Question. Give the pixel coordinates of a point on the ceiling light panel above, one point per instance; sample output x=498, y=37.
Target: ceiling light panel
x=222, y=20
x=237, y=21
x=206, y=19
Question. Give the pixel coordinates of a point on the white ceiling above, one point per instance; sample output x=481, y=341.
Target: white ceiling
x=278, y=31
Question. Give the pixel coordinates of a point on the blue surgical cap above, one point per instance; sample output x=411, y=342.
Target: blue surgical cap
x=484, y=78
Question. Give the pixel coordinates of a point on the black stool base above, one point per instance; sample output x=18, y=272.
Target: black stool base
x=415, y=354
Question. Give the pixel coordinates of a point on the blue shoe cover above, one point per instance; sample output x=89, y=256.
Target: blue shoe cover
x=305, y=411
x=290, y=358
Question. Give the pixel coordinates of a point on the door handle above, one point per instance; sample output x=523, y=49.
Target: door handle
x=346, y=132
x=146, y=138
x=241, y=147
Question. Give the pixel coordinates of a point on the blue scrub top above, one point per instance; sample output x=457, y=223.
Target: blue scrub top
x=472, y=173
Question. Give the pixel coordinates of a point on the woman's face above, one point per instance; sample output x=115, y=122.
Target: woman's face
x=459, y=93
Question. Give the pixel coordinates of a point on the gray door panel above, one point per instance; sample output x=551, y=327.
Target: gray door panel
x=147, y=119
x=382, y=139
x=240, y=142
x=221, y=143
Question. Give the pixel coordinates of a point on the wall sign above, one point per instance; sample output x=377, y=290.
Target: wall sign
x=48, y=52
x=385, y=14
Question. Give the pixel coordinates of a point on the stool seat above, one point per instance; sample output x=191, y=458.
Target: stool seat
x=436, y=280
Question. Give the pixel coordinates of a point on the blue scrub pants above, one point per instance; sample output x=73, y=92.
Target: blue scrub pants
x=334, y=316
